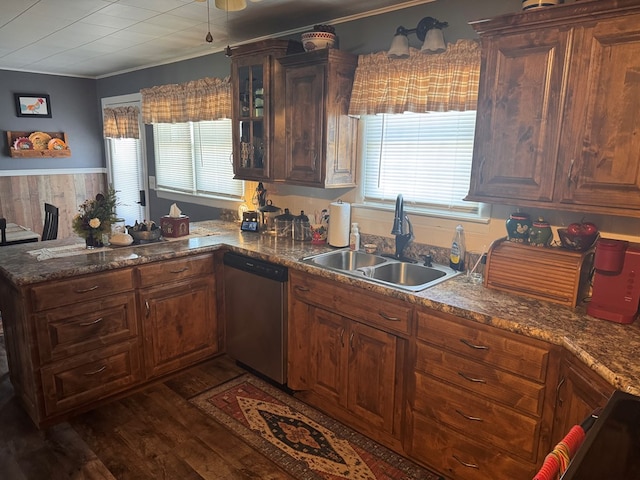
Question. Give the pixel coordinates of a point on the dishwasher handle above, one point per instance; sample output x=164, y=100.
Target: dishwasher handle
x=256, y=267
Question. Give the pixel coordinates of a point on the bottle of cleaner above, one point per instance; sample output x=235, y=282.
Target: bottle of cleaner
x=456, y=259
x=354, y=237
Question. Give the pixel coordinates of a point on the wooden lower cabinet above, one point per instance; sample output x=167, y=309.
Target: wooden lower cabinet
x=354, y=366
x=350, y=369
x=580, y=392
x=479, y=401
x=178, y=313
x=72, y=343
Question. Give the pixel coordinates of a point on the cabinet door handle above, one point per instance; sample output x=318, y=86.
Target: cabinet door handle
x=86, y=324
x=388, y=317
x=351, y=341
x=469, y=417
x=475, y=347
x=560, y=383
x=179, y=271
x=342, y=337
x=465, y=464
x=95, y=372
x=472, y=379
x=570, y=171
x=147, y=308
x=86, y=290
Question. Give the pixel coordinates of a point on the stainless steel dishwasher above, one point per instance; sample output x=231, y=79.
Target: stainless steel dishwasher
x=255, y=297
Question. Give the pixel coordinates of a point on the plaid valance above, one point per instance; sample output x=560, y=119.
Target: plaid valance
x=420, y=83
x=194, y=101
x=121, y=122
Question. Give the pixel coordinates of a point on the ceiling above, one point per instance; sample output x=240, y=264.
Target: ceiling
x=97, y=38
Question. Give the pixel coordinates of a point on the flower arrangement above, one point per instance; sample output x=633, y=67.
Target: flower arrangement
x=96, y=216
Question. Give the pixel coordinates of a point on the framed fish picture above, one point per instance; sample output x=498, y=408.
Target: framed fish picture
x=32, y=105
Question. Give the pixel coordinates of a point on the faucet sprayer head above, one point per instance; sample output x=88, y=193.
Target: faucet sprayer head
x=398, y=216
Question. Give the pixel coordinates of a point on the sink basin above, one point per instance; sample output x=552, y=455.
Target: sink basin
x=346, y=260
x=407, y=274
x=388, y=271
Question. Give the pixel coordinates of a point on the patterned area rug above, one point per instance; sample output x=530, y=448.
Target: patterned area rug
x=304, y=442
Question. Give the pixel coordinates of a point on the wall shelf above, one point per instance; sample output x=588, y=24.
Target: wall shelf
x=17, y=153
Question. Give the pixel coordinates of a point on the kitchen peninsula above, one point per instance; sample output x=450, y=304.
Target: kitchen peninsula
x=49, y=363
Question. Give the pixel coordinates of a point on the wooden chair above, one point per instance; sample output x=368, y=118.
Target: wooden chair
x=3, y=231
x=50, y=230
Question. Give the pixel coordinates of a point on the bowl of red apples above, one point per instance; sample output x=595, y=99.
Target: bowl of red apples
x=579, y=236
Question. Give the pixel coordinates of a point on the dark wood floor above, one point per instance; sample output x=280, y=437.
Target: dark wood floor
x=153, y=434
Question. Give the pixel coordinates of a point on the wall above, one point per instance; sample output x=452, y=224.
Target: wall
x=74, y=111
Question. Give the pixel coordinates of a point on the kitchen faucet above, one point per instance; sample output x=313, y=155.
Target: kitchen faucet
x=402, y=239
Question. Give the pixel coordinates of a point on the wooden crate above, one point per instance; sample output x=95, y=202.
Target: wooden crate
x=553, y=274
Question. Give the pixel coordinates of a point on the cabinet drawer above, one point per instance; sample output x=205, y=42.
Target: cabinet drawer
x=459, y=458
x=377, y=310
x=80, y=289
x=90, y=376
x=169, y=271
x=505, y=350
x=479, y=378
x=79, y=328
x=486, y=421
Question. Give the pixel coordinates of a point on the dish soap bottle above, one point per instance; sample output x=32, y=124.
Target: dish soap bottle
x=354, y=237
x=456, y=259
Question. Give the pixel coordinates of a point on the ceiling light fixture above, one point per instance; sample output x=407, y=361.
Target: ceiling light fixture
x=231, y=5
x=209, y=37
x=428, y=31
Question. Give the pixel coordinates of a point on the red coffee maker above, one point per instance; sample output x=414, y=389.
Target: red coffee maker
x=616, y=282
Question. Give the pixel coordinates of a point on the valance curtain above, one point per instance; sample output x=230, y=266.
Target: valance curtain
x=121, y=122
x=194, y=101
x=420, y=83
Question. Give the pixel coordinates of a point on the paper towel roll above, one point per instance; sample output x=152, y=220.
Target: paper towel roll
x=339, y=224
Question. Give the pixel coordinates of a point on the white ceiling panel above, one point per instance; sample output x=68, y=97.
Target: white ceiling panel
x=95, y=38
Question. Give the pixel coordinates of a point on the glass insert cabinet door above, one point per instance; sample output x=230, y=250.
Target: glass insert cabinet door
x=251, y=111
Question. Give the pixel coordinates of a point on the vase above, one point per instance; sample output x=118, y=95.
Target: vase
x=94, y=240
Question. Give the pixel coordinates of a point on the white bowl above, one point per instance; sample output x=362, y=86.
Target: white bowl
x=317, y=40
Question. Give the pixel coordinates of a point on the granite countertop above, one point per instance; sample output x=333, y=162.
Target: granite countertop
x=608, y=348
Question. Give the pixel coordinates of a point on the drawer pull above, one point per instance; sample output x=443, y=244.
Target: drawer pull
x=465, y=464
x=87, y=324
x=475, y=347
x=469, y=417
x=179, y=271
x=472, y=379
x=101, y=369
x=301, y=288
x=87, y=290
x=387, y=317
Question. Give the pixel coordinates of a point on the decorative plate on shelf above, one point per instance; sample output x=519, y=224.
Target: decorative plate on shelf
x=56, y=144
x=22, y=143
x=40, y=140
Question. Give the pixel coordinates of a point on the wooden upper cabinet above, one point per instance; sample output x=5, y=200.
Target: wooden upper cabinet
x=258, y=92
x=557, y=119
x=601, y=144
x=320, y=139
x=519, y=116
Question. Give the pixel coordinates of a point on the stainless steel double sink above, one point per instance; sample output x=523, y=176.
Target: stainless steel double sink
x=387, y=271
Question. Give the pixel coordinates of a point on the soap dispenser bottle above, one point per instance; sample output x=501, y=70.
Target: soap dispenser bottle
x=458, y=250
x=354, y=237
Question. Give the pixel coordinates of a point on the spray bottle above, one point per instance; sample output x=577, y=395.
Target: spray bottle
x=458, y=250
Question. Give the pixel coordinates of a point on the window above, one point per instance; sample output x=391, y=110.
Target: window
x=424, y=156
x=195, y=158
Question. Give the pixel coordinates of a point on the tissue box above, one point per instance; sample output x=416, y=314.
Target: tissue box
x=174, y=226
